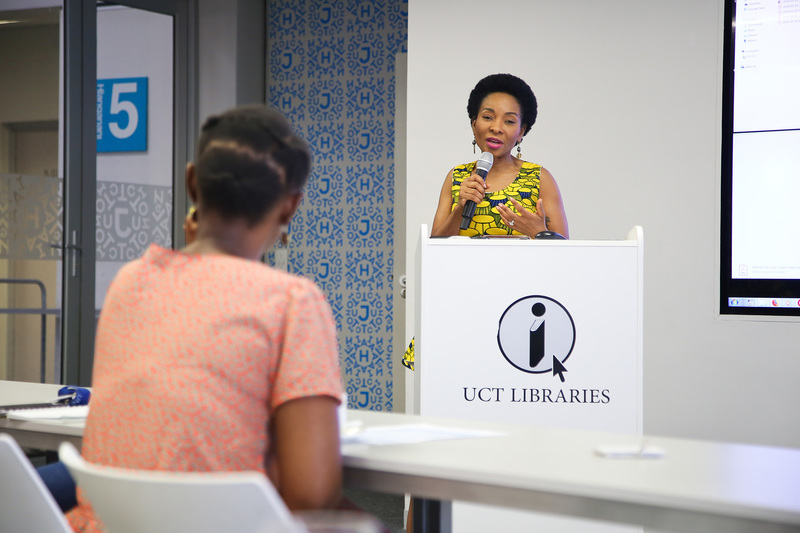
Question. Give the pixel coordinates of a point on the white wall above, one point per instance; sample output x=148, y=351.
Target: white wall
x=629, y=116
x=231, y=54
x=131, y=44
x=216, y=58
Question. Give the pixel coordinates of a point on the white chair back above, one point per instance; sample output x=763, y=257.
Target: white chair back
x=25, y=503
x=137, y=501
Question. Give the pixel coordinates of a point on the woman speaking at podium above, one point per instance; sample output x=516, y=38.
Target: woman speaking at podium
x=516, y=197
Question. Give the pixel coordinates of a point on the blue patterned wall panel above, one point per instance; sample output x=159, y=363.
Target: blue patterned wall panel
x=367, y=139
x=367, y=98
x=290, y=98
x=328, y=101
x=326, y=58
x=287, y=59
x=326, y=140
x=331, y=71
x=369, y=184
x=287, y=19
x=326, y=186
x=326, y=18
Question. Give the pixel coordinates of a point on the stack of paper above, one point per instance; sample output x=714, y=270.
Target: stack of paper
x=61, y=412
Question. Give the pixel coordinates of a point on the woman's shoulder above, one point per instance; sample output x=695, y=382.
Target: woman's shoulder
x=295, y=286
x=236, y=279
x=279, y=277
x=463, y=170
x=229, y=271
x=153, y=258
x=530, y=170
x=527, y=165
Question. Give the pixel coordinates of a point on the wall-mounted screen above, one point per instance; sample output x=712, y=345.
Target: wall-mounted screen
x=760, y=226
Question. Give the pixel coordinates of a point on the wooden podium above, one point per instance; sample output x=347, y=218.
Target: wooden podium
x=539, y=332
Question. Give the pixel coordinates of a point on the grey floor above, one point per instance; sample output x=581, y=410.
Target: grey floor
x=388, y=508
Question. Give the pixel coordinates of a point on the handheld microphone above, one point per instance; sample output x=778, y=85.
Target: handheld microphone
x=484, y=164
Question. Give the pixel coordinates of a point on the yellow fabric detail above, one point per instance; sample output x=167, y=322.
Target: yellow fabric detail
x=487, y=220
x=408, y=356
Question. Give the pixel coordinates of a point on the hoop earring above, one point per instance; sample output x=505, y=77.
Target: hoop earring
x=519, y=152
x=284, y=238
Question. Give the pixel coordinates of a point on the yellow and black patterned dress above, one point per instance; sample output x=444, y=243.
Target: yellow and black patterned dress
x=487, y=221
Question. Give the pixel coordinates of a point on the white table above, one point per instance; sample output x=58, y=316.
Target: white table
x=39, y=435
x=698, y=486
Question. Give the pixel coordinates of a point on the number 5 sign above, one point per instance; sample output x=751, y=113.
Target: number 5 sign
x=122, y=115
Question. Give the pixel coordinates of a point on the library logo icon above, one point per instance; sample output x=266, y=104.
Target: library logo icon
x=536, y=335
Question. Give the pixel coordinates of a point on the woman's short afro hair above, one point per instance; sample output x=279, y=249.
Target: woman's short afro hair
x=509, y=84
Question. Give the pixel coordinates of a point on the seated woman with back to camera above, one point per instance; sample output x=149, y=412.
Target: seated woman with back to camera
x=208, y=360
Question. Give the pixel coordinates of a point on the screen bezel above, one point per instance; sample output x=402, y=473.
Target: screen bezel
x=729, y=286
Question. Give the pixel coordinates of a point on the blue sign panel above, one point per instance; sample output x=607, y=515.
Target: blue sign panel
x=122, y=115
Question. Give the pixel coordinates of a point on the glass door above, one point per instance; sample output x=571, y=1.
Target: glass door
x=31, y=192
x=96, y=100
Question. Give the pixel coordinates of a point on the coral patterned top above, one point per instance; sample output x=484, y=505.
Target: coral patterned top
x=193, y=353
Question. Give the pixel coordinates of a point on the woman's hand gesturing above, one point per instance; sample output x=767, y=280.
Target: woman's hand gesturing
x=523, y=221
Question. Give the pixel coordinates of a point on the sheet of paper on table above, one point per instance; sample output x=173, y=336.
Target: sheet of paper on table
x=56, y=413
x=408, y=434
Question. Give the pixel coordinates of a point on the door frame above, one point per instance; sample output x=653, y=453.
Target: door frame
x=80, y=162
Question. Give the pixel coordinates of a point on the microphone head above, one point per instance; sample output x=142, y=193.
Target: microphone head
x=485, y=162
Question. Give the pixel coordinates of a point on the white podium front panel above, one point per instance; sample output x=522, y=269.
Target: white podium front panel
x=478, y=333
x=537, y=332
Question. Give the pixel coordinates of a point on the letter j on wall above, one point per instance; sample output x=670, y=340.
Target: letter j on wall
x=122, y=115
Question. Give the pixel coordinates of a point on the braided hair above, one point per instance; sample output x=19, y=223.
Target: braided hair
x=247, y=159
